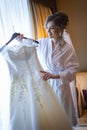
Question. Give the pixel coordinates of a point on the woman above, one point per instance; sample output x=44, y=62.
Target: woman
x=59, y=61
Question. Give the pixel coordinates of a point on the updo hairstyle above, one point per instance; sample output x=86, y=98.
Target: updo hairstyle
x=60, y=19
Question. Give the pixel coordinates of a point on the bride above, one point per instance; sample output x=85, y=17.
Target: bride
x=33, y=105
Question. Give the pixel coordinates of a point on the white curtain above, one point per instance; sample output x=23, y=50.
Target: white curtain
x=15, y=16
x=4, y=94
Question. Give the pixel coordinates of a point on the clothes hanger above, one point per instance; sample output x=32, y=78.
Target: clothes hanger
x=13, y=37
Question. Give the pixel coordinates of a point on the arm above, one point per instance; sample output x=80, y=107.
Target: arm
x=71, y=66
x=20, y=37
x=47, y=75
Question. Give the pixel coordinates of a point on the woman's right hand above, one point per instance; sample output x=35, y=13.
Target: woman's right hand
x=20, y=37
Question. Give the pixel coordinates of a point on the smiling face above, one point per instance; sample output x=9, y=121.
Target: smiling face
x=52, y=30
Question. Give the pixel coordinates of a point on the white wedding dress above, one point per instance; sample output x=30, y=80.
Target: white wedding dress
x=33, y=105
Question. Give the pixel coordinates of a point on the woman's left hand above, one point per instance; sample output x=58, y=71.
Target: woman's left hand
x=47, y=75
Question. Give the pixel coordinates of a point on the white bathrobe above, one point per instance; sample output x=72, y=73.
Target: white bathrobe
x=60, y=61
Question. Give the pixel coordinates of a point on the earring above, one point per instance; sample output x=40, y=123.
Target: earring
x=60, y=34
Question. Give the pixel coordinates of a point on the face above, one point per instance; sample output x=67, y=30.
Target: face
x=52, y=30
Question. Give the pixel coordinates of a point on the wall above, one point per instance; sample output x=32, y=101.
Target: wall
x=77, y=12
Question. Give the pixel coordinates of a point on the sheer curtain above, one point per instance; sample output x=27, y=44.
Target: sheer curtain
x=15, y=16
x=39, y=14
x=4, y=94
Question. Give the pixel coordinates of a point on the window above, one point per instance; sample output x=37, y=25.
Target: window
x=15, y=16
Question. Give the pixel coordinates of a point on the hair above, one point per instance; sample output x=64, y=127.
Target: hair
x=60, y=19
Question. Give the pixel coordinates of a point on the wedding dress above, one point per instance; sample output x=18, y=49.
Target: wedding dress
x=33, y=105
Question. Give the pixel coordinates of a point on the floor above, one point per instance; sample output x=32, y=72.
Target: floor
x=80, y=128
x=82, y=124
